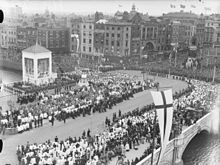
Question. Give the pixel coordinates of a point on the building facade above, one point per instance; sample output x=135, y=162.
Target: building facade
x=117, y=39
x=87, y=38
x=56, y=39
x=26, y=37
x=99, y=36
x=149, y=37
x=74, y=24
x=8, y=36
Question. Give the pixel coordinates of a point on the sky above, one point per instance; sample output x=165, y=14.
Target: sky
x=152, y=7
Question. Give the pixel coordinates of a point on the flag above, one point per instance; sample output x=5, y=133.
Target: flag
x=163, y=101
x=182, y=6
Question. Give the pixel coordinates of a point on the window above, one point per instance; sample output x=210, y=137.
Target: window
x=90, y=49
x=127, y=35
x=118, y=43
x=113, y=28
x=90, y=26
x=84, y=40
x=90, y=41
x=84, y=48
x=127, y=28
x=84, y=34
x=118, y=35
x=113, y=43
x=126, y=44
x=107, y=28
x=84, y=26
x=119, y=28
x=113, y=35
x=106, y=42
x=107, y=34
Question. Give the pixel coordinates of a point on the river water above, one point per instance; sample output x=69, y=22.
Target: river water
x=204, y=149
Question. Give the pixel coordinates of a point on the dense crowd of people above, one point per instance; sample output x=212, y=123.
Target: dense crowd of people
x=123, y=133
x=103, y=92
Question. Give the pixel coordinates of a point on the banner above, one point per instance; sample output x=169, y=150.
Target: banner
x=163, y=101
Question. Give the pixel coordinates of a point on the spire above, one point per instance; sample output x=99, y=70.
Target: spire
x=133, y=7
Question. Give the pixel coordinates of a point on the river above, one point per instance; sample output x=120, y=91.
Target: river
x=204, y=149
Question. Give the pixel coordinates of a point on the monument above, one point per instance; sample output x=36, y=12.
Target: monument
x=37, y=65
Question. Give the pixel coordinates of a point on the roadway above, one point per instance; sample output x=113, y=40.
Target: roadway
x=75, y=127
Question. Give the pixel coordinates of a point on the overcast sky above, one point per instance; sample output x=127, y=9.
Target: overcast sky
x=152, y=7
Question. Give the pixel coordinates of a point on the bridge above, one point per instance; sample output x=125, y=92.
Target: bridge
x=176, y=147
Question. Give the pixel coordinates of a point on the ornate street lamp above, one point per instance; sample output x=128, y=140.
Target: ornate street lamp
x=176, y=154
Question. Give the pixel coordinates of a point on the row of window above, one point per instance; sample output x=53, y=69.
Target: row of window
x=117, y=42
x=84, y=26
x=118, y=35
x=113, y=28
x=90, y=34
x=84, y=49
x=90, y=41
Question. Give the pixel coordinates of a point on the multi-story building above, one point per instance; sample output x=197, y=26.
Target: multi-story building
x=211, y=32
x=149, y=37
x=117, y=39
x=164, y=35
x=87, y=38
x=26, y=37
x=98, y=16
x=200, y=32
x=56, y=39
x=74, y=25
x=136, y=21
x=183, y=27
x=182, y=17
x=99, y=36
x=8, y=36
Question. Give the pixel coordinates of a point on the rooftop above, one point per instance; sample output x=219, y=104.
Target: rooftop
x=36, y=49
x=181, y=15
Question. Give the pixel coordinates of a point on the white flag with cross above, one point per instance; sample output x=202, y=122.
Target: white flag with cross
x=163, y=101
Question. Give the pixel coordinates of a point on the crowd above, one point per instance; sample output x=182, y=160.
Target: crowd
x=103, y=92
x=123, y=133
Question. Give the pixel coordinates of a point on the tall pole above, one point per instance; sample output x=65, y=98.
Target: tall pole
x=154, y=132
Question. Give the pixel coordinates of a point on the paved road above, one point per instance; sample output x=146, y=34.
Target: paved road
x=75, y=127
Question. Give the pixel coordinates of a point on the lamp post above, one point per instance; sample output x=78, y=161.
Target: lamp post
x=178, y=142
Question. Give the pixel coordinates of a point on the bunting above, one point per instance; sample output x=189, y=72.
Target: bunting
x=163, y=101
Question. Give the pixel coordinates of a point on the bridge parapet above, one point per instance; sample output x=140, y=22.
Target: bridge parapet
x=176, y=147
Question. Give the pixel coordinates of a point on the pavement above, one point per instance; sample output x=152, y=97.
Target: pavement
x=75, y=127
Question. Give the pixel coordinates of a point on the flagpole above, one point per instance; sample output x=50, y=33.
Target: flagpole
x=154, y=132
